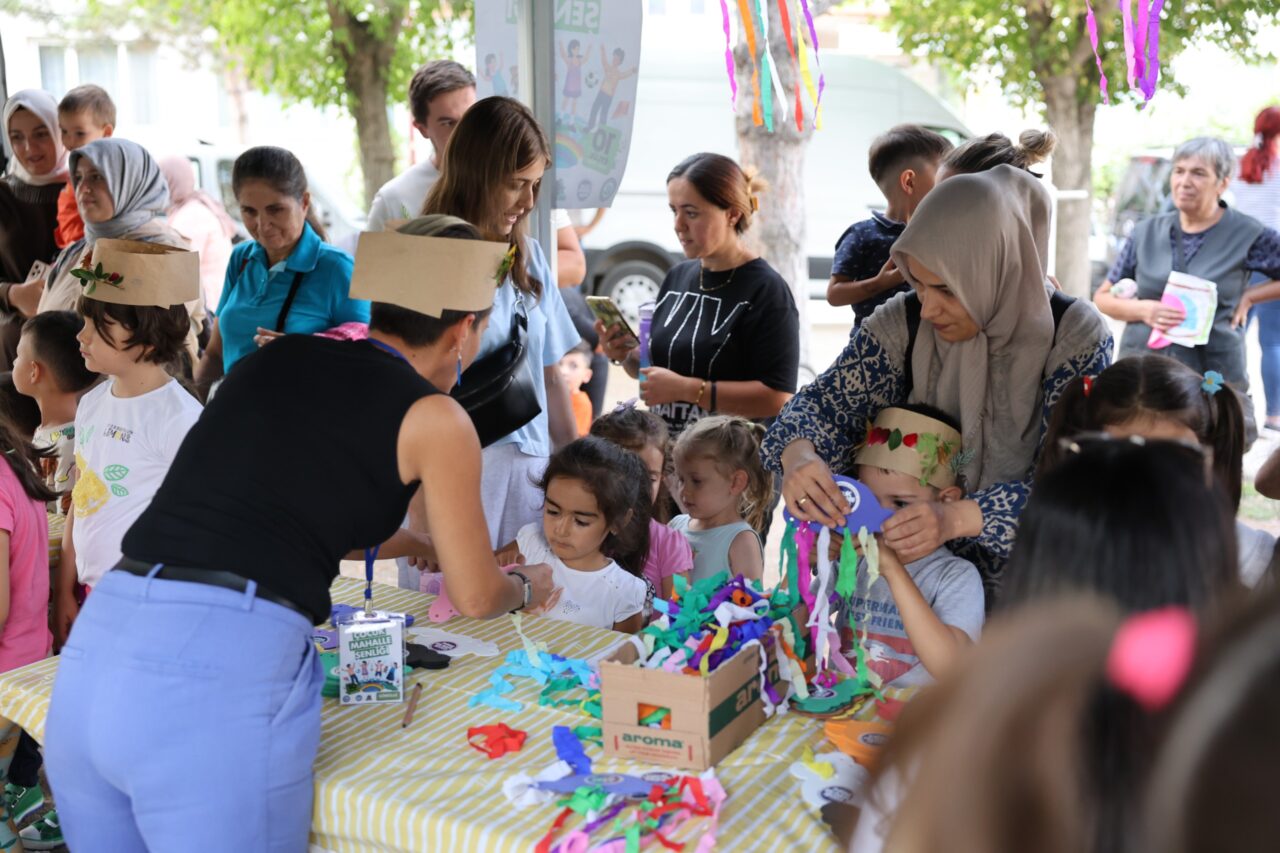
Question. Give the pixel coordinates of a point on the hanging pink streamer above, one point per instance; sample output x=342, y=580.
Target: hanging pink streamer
x=813, y=34
x=1126, y=12
x=1091, y=21
x=728, y=56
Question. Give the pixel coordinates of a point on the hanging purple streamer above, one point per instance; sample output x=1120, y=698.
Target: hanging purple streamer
x=1126, y=12
x=813, y=35
x=728, y=57
x=1152, y=75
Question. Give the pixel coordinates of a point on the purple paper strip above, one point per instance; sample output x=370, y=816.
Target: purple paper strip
x=1126, y=13
x=813, y=34
x=1153, y=46
x=728, y=57
x=1091, y=22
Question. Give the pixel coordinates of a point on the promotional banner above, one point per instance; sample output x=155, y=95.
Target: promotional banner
x=597, y=61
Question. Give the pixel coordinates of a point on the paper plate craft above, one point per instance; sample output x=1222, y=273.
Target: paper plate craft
x=325, y=638
x=1197, y=298
x=130, y=272
x=830, y=701
x=866, y=510
x=442, y=609
x=451, y=644
x=861, y=741
x=832, y=777
x=611, y=783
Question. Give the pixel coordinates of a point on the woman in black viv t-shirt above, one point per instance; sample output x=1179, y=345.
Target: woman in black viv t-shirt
x=725, y=336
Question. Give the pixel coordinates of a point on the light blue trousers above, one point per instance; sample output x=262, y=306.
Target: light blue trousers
x=185, y=717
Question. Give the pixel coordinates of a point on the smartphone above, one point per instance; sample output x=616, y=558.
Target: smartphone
x=607, y=312
x=39, y=270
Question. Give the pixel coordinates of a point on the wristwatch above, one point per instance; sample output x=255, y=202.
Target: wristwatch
x=528, y=590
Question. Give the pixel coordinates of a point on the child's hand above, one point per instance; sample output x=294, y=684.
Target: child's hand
x=890, y=275
x=509, y=555
x=890, y=563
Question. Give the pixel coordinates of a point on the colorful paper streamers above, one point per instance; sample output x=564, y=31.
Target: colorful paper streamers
x=754, y=17
x=1141, y=45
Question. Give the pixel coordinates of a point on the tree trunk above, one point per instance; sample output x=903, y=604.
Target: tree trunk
x=1071, y=117
x=778, y=232
x=366, y=59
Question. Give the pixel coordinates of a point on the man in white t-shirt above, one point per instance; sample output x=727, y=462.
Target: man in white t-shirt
x=439, y=94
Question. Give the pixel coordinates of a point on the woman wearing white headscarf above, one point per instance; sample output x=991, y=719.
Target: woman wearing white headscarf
x=121, y=195
x=202, y=221
x=980, y=339
x=28, y=205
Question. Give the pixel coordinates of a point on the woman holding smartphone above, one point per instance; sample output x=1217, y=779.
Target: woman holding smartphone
x=725, y=336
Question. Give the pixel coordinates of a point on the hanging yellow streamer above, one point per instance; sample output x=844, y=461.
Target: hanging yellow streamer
x=871, y=551
x=806, y=75
x=530, y=647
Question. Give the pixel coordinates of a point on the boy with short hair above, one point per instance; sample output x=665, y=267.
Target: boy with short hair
x=85, y=113
x=50, y=369
x=918, y=617
x=128, y=429
x=575, y=369
x=904, y=165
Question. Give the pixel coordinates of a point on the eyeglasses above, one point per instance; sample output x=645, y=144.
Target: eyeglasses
x=1185, y=451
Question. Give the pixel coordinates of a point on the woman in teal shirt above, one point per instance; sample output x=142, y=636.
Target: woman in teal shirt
x=286, y=280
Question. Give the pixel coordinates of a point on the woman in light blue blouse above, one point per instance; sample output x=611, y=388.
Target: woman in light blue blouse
x=490, y=175
x=982, y=338
x=286, y=280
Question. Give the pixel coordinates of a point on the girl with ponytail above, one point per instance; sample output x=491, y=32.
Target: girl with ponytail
x=1155, y=397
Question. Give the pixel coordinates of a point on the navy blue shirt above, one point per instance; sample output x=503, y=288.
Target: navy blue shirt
x=862, y=251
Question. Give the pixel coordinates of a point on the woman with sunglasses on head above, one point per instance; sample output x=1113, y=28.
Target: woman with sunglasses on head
x=1158, y=398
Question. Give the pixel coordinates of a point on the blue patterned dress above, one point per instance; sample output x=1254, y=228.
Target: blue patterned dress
x=833, y=412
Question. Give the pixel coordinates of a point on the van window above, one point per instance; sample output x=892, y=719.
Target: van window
x=224, y=188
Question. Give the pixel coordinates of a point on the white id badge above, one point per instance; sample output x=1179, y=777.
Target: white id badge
x=371, y=658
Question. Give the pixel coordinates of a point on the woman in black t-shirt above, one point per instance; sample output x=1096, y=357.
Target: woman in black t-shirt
x=726, y=335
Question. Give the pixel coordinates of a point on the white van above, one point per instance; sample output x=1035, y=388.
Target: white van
x=683, y=108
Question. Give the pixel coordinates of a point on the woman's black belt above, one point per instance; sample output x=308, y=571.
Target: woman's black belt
x=210, y=577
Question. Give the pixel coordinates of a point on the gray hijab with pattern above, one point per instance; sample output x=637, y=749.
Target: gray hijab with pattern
x=134, y=180
x=985, y=235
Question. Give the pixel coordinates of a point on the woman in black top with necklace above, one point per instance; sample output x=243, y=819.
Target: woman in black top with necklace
x=187, y=702
x=725, y=336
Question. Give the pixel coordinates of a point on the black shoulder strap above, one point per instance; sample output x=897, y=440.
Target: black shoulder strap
x=1058, y=304
x=912, y=304
x=288, y=301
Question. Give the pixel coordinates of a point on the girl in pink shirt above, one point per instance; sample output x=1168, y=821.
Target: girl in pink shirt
x=24, y=553
x=645, y=435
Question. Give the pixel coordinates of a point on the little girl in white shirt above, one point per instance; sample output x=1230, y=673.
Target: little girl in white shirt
x=594, y=534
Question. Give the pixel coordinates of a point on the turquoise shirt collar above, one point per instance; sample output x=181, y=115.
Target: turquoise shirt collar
x=304, y=256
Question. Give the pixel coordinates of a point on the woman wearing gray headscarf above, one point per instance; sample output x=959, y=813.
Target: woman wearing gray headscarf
x=981, y=338
x=121, y=195
x=1204, y=238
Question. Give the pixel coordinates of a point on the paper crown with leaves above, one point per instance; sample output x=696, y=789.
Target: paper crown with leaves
x=130, y=272
x=913, y=444
x=429, y=275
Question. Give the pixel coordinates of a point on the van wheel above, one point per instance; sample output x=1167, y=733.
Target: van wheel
x=631, y=284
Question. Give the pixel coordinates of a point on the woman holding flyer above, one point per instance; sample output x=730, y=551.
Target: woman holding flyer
x=1205, y=252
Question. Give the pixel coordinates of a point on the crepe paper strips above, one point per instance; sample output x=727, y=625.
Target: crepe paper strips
x=770, y=73
x=665, y=806
x=791, y=49
x=805, y=74
x=1141, y=45
x=822, y=81
x=496, y=740
x=744, y=11
x=728, y=54
x=531, y=648
x=570, y=750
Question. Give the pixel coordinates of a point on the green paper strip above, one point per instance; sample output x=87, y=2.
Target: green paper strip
x=847, y=579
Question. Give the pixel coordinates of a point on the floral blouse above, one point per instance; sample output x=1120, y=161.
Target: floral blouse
x=833, y=412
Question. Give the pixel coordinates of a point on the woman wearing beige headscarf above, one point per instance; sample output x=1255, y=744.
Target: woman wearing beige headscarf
x=980, y=339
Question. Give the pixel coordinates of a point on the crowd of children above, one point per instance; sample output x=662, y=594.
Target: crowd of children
x=1041, y=734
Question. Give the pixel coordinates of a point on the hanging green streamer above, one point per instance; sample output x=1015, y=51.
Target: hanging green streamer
x=847, y=579
x=766, y=87
x=791, y=563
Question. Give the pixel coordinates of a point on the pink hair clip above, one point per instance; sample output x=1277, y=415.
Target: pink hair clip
x=1151, y=655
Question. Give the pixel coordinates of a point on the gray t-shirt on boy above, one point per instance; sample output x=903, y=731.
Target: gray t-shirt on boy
x=952, y=587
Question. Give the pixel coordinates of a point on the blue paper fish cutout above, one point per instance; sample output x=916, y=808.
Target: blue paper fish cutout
x=866, y=510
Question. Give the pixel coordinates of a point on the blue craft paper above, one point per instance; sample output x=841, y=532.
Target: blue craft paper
x=866, y=512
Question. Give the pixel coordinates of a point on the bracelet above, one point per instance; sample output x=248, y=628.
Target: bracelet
x=713, y=397
x=701, y=388
x=526, y=589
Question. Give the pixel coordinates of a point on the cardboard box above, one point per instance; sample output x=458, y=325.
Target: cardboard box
x=371, y=659
x=710, y=716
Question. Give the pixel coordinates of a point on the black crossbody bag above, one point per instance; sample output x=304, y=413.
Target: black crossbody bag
x=498, y=390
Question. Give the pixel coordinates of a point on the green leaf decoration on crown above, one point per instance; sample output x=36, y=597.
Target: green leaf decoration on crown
x=90, y=276
x=508, y=260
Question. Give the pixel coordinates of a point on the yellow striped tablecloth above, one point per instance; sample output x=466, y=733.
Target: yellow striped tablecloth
x=383, y=788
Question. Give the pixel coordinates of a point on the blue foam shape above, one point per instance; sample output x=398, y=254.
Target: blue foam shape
x=866, y=512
